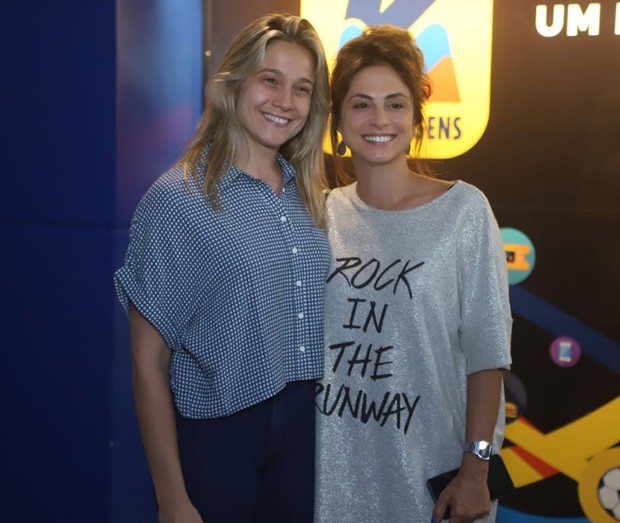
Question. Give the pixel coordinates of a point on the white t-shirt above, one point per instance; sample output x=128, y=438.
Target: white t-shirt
x=416, y=300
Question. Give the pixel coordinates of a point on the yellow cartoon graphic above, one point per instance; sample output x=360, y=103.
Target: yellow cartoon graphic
x=582, y=450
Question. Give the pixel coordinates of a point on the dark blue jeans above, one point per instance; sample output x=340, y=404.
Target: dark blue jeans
x=255, y=466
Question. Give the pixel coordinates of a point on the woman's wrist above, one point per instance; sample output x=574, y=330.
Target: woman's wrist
x=474, y=467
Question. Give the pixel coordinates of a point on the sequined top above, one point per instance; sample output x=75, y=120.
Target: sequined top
x=416, y=300
x=237, y=294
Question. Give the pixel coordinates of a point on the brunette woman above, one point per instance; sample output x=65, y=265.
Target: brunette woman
x=417, y=317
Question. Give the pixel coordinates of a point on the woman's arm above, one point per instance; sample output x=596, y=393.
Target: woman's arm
x=467, y=494
x=150, y=366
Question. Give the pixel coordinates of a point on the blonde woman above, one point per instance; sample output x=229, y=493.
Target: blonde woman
x=223, y=283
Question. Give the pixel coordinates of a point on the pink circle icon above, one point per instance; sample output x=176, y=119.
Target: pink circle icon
x=565, y=351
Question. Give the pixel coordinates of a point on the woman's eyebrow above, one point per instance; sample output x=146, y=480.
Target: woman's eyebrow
x=368, y=97
x=273, y=70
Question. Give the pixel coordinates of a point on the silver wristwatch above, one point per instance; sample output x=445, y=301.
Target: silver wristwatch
x=481, y=449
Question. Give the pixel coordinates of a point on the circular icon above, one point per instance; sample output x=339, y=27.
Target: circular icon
x=599, y=487
x=565, y=351
x=520, y=254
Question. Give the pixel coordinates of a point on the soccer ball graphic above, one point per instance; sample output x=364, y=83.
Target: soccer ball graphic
x=609, y=492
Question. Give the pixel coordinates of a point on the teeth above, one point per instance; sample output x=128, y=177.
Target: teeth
x=379, y=139
x=276, y=119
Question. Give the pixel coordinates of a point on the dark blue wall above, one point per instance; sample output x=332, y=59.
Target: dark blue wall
x=159, y=100
x=97, y=99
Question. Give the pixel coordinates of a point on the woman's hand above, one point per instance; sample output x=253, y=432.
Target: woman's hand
x=185, y=513
x=467, y=495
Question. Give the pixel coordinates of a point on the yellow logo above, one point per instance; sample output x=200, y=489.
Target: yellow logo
x=455, y=37
x=516, y=256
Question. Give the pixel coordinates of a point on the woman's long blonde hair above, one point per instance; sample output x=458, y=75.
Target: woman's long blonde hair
x=219, y=127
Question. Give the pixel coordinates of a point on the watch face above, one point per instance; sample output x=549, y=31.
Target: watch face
x=482, y=449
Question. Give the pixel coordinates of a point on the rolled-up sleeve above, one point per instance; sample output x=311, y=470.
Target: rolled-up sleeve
x=486, y=320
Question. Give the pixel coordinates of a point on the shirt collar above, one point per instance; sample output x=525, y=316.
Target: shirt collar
x=288, y=173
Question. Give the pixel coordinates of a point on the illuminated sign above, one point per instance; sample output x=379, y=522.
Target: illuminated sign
x=574, y=19
x=455, y=37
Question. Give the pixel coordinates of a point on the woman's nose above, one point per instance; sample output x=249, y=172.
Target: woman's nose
x=379, y=117
x=283, y=99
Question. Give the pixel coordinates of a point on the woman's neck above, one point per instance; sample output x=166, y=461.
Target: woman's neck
x=383, y=186
x=264, y=166
x=396, y=187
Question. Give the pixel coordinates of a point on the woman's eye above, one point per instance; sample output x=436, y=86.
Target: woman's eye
x=397, y=105
x=304, y=90
x=360, y=105
x=270, y=80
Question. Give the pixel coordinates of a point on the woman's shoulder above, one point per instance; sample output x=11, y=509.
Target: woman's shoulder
x=471, y=205
x=340, y=193
x=469, y=194
x=170, y=193
x=173, y=182
x=426, y=189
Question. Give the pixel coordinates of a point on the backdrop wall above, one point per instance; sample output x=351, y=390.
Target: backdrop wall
x=97, y=100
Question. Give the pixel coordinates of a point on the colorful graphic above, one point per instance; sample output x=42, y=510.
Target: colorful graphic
x=585, y=450
x=440, y=67
x=520, y=255
x=455, y=38
x=599, y=487
x=565, y=351
x=582, y=450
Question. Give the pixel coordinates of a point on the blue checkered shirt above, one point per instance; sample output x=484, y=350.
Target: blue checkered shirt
x=236, y=294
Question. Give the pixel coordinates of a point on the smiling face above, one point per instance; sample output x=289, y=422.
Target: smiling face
x=274, y=101
x=376, y=118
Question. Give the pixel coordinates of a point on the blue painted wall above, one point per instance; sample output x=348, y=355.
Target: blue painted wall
x=97, y=99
